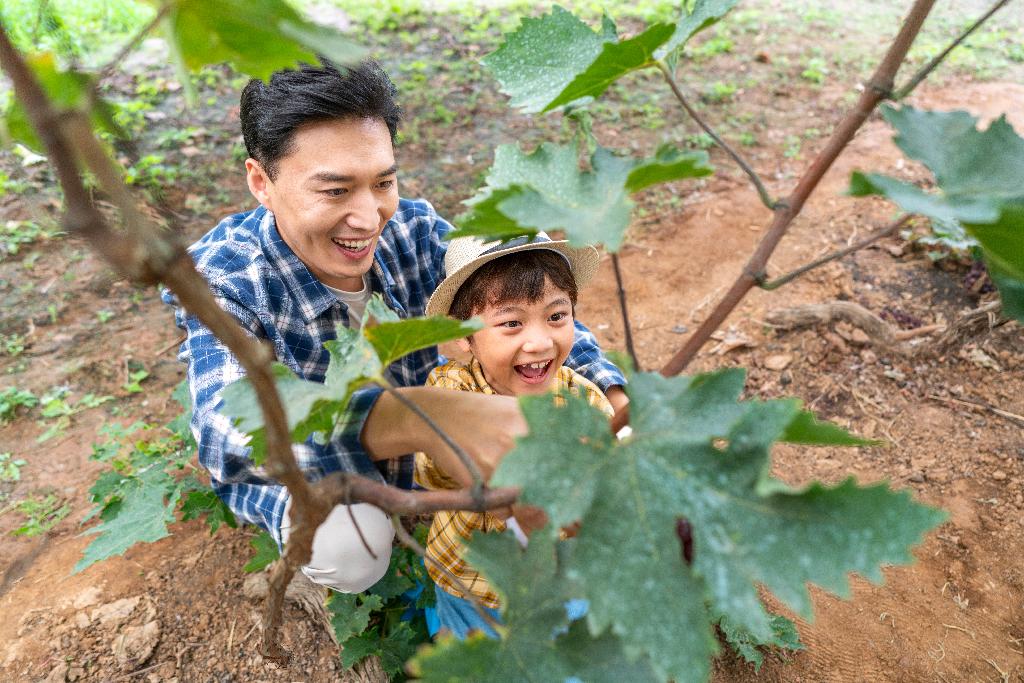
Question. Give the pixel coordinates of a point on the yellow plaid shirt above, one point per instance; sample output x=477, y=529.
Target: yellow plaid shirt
x=451, y=528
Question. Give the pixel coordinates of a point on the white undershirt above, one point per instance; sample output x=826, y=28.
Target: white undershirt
x=356, y=302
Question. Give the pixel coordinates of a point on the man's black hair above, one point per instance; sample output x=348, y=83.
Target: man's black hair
x=271, y=112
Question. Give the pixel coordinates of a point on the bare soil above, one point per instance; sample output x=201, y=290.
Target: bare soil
x=957, y=614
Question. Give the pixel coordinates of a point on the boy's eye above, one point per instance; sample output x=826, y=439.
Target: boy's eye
x=335, y=191
x=561, y=315
x=510, y=324
x=386, y=184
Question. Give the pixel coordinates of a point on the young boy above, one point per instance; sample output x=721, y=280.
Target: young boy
x=525, y=292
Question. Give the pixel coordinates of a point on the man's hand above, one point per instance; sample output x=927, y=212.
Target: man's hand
x=485, y=426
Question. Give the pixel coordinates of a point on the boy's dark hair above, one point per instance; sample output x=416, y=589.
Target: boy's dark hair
x=271, y=112
x=520, y=276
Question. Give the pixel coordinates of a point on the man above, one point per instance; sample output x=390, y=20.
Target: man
x=331, y=231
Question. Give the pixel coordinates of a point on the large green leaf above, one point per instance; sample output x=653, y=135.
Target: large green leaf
x=544, y=55
x=67, y=90
x=616, y=60
x=534, y=591
x=142, y=517
x=257, y=37
x=978, y=174
x=705, y=13
x=698, y=453
x=392, y=340
x=545, y=190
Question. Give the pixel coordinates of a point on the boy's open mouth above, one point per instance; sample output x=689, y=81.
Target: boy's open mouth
x=355, y=249
x=534, y=373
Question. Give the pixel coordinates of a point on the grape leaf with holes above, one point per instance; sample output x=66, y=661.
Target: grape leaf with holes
x=699, y=454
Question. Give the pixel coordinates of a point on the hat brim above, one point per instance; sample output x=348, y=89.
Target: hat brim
x=583, y=262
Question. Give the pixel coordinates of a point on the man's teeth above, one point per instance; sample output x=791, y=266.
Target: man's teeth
x=353, y=244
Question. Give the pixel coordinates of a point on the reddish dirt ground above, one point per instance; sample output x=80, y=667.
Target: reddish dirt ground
x=955, y=615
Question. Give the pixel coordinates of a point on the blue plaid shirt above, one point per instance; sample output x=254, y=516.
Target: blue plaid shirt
x=257, y=278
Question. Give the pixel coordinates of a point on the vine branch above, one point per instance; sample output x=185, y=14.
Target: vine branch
x=625, y=313
x=878, y=87
x=857, y=246
x=923, y=72
x=762, y=191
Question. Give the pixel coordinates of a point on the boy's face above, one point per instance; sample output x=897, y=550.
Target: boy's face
x=522, y=344
x=333, y=193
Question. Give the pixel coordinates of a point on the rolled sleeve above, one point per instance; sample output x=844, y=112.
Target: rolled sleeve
x=587, y=359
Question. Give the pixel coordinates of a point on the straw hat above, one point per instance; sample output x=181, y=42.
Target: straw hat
x=467, y=254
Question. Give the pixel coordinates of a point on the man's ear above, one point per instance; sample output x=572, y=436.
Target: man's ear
x=259, y=182
x=464, y=344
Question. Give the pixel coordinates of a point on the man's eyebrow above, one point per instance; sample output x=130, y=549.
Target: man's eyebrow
x=329, y=177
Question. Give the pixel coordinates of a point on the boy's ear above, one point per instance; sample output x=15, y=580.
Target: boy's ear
x=464, y=344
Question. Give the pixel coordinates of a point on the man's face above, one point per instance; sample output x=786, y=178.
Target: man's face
x=522, y=344
x=333, y=193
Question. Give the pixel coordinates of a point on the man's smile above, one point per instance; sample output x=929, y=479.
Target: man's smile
x=354, y=249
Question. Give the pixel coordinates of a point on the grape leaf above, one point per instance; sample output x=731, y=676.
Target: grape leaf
x=698, y=453
x=309, y=407
x=357, y=357
x=668, y=164
x=705, y=13
x=67, y=90
x=142, y=517
x=350, y=613
x=534, y=592
x=266, y=552
x=978, y=174
x=205, y=502
x=257, y=37
x=392, y=340
x=544, y=55
x=615, y=60
x=783, y=635
x=553, y=194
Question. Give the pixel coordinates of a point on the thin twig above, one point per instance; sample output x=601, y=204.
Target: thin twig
x=127, y=48
x=762, y=191
x=464, y=457
x=337, y=487
x=867, y=241
x=355, y=523
x=409, y=542
x=923, y=72
x=977, y=405
x=625, y=313
x=878, y=87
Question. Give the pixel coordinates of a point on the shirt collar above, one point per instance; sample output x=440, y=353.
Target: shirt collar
x=478, y=377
